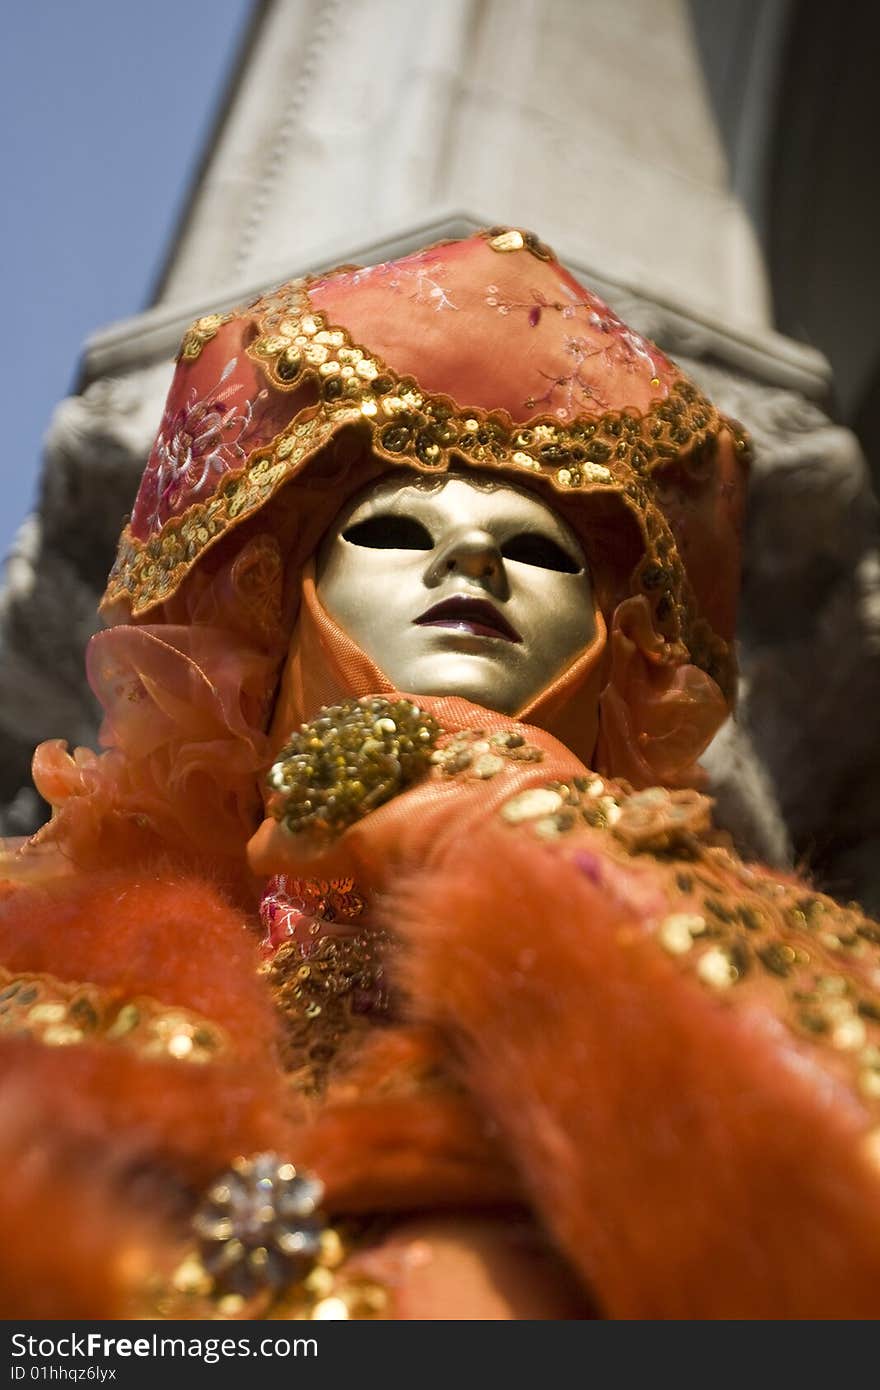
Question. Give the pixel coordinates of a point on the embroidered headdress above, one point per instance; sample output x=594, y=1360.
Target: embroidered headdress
x=477, y=354
x=483, y=353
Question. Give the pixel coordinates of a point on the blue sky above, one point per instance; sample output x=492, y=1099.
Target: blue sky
x=105, y=106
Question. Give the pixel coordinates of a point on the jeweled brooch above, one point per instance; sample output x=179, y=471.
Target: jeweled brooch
x=352, y=758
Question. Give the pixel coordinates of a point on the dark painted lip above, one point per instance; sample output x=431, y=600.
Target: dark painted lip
x=474, y=615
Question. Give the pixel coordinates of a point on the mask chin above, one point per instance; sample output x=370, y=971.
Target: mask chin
x=482, y=682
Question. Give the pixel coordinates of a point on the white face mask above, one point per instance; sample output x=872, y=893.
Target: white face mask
x=458, y=586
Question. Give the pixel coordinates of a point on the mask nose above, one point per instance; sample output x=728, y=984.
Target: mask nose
x=473, y=554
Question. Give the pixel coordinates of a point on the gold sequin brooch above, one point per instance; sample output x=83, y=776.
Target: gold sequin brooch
x=352, y=758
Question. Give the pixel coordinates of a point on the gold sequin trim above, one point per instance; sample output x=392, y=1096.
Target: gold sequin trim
x=820, y=957
x=728, y=925
x=658, y=819
x=478, y=755
x=200, y=333
x=62, y=1014
x=149, y=572
x=346, y=761
x=652, y=821
x=324, y=998
x=619, y=447
x=503, y=239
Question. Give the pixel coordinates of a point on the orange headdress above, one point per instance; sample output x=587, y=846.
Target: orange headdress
x=483, y=353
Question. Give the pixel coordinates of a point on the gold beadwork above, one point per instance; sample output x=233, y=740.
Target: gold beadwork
x=717, y=969
x=728, y=925
x=472, y=753
x=652, y=821
x=533, y=804
x=324, y=998
x=60, y=1013
x=659, y=819
x=677, y=931
x=505, y=239
x=347, y=761
x=200, y=333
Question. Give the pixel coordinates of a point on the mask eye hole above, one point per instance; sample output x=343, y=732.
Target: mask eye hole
x=529, y=548
x=390, y=532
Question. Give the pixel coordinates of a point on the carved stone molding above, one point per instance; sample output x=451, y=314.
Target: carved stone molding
x=810, y=628
x=96, y=449
x=588, y=120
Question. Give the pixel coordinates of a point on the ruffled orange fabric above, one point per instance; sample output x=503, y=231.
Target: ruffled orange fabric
x=183, y=759
x=656, y=715
x=186, y=707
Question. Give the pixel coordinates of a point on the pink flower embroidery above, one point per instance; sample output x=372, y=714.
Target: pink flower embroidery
x=575, y=384
x=201, y=438
x=533, y=307
x=419, y=278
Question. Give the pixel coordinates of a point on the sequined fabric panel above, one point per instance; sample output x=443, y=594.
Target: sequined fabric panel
x=325, y=969
x=747, y=937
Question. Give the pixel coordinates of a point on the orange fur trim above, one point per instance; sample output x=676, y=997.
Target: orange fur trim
x=72, y=1247
x=157, y=932
x=393, y=1135
x=98, y=1143
x=688, y=1163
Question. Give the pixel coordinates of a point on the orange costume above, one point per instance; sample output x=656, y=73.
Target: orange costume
x=455, y=1013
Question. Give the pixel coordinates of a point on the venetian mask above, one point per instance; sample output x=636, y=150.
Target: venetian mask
x=458, y=585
